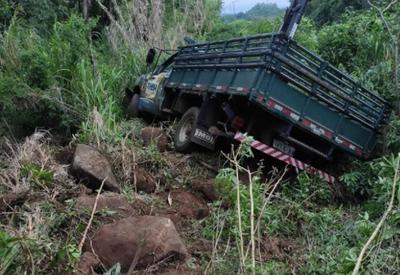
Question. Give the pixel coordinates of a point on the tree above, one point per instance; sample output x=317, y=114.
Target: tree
x=328, y=11
x=86, y=4
x=389, y=13
x=41, y=14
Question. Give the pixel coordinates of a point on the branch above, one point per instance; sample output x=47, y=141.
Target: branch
x=266, y=202
x=113, y=20
x=390, y=5
x=252, y=241
x=239, y=211
x=91, y=217
x=382, y=15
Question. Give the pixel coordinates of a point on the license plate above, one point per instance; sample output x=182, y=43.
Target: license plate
x=204, y=136
x=283, y=147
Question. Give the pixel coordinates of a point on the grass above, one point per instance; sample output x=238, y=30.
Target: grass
x=10, y=249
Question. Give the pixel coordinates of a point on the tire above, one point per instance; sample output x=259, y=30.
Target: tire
x=133, y=107
x=185, y=130
x=126, y=100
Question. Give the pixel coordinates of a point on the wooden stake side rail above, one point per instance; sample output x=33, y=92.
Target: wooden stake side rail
x=319, y=78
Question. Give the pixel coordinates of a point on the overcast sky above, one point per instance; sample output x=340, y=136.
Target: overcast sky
x=235, y=6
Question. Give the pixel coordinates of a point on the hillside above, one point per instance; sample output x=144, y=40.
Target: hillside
x=259, y=11
x=87, y=189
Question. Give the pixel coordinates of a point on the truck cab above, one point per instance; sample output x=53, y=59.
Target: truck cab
x=148, y=93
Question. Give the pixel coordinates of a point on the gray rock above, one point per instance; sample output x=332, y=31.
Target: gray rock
x=92, y=168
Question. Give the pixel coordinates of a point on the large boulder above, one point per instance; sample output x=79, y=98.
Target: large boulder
x=155, y=135
x=107, y=202
x=92, y=168
x=139, y=241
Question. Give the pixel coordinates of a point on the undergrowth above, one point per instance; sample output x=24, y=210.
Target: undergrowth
x=302, y=224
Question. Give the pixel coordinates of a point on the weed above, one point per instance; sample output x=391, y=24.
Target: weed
x=39, y=175
x=70, y=254
x=153, y=156
x=242, y=225
x=10, y=251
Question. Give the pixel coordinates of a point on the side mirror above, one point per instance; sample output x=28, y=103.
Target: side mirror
x=150, y=56
x=189, y=41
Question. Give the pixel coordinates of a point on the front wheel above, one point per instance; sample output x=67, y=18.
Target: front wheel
x=133, y=107
x=185, y=130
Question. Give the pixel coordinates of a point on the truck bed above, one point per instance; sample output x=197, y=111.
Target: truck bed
x=284, y=78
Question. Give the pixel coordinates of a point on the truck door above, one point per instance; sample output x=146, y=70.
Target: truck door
x=154, y=93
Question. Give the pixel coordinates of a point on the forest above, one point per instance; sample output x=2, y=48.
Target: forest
x=64, y=68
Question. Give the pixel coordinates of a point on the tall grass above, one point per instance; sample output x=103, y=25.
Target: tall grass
x=62, y=80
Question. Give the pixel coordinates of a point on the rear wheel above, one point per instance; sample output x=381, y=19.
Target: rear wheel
x=185, y=130
x=133, y=107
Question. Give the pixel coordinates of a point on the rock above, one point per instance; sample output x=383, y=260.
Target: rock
x=87, y=264
x=145, y=181
x=107, y=201
x=157, y=135
x=144, y=240
x=188, y=205
x=207, y=188
x=93, y=168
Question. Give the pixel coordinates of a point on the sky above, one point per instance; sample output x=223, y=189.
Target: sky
x=235, y=6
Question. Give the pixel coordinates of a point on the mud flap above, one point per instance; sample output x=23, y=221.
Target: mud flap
x=204, y=138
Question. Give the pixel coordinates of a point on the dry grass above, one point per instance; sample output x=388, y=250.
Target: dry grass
x=41, y=219
x=35, y=153
x=135, y=23
x=15, y=156
x=140, y=23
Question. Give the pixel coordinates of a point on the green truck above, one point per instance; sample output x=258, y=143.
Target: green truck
x=298, y=108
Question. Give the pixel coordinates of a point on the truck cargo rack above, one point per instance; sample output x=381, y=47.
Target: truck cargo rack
x=298, y=66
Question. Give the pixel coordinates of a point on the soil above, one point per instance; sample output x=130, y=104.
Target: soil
x=156, y=135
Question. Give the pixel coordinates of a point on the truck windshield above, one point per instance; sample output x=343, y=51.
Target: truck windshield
x=165, y=65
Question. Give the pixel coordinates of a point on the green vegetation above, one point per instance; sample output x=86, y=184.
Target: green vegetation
x=328, y=11
x=66, y=73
